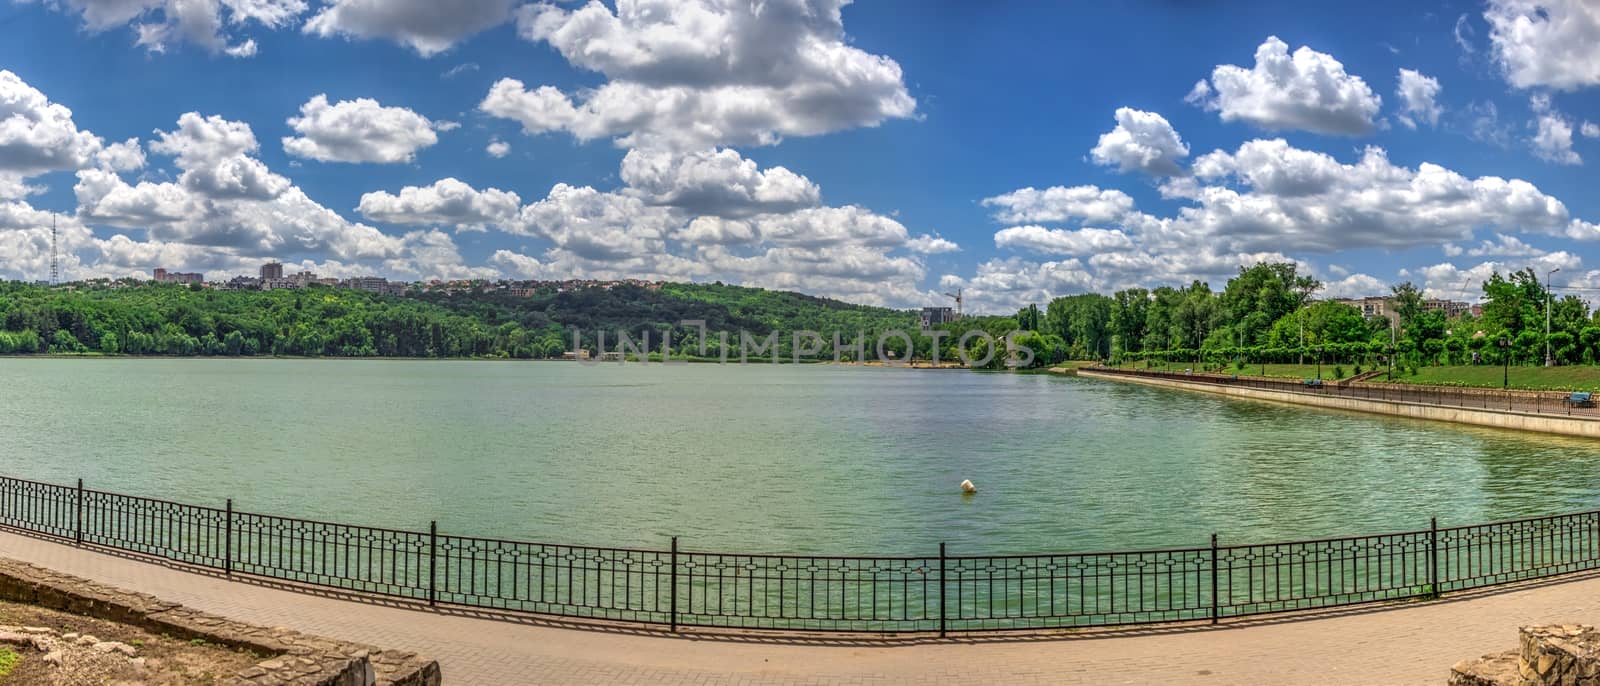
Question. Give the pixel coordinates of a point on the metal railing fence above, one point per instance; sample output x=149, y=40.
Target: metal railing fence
x=939, y=592
x=1548, y=403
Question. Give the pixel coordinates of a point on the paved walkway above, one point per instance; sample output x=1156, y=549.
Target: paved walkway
x=1396, y=644
x=1547, y=404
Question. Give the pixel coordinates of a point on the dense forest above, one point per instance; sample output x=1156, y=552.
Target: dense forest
x=165, y=319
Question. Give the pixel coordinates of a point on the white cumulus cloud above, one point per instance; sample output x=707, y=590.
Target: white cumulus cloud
x=1060, y=203
x=716, y=182
x=1553, y=140
x=225, y=202
x=448, y=202
x=1085, y=241
x=359, y=130
x=1142, y=141
x=692, y=74
x=1546, y=43
x=426, y=26
x=1419, y=99
x=1310, y=201
x=1505, y=245
x=931, y=245
x=36, y=135
x=162, y=24
x=1308, y=90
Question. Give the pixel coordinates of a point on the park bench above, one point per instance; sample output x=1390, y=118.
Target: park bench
x=1313, y=382
x=1579, y=399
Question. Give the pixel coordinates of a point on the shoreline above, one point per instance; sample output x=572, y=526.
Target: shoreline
x=379, y=358
x=1499, y=419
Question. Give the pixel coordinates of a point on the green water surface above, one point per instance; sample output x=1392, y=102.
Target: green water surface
x=762, y=458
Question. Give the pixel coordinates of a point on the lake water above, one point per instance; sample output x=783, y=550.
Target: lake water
x=762, y=458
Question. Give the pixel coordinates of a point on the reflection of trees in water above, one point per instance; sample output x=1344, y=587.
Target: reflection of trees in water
x=1543, y=475
x=1283, y=471
x=1137, y=466
x=1307, y=473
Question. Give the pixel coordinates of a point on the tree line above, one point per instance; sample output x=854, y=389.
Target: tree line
x=1269, y=313
x=139, y=318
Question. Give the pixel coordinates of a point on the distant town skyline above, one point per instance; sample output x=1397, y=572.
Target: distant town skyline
x=881, y=153
x=271, y=276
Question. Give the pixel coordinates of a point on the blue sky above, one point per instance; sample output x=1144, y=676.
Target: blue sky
x=880, y=152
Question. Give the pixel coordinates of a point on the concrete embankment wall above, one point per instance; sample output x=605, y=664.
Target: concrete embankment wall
x=1521, y=421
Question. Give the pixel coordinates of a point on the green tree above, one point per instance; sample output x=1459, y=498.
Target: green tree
x=1083, y=324
x=1513, y=303
x=1406, y=299
x=64, y=342
x=1263, y=294
x=1130, y=311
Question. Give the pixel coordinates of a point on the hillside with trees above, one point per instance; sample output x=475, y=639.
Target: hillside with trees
x=1267, y=313
x=137, y=318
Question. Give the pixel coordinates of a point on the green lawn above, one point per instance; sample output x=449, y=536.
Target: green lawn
x=1077, y=363
x=1574, y=378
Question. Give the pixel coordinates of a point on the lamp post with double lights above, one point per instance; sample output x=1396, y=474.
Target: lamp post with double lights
x=1505, y=359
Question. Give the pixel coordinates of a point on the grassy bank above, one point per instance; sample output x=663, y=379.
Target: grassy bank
x=1574, y=378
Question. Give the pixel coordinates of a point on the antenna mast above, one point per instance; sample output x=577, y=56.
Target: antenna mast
x=55, y=264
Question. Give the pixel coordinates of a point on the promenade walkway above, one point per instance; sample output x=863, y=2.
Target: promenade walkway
x=1541, y=403
x=1394, y=644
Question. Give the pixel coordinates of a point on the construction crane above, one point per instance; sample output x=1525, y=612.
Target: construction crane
x=1464, y=283
x=957, y=296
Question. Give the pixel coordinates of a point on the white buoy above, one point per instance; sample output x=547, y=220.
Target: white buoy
x=968, y=487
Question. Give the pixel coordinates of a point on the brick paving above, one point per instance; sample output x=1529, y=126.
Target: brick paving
x=1395, y=644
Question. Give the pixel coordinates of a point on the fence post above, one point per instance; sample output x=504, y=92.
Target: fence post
x=674, y=604
x=433, y=563
x=1215, y=604
x=77, y=519
x=1433, y=556
x=227, y=541
x=941, y=590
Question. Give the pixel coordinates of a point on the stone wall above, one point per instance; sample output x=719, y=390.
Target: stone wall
x=297, y=659
x=1559, y=655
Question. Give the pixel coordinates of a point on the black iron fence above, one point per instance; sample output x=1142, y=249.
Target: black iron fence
x=939, y=592
x=1552, y=403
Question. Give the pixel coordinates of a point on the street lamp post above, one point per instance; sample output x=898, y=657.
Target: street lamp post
x=1505, y=359
x=1300, y=354
x=1319, y=362
x=1389, y=352
x=1548, y=360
